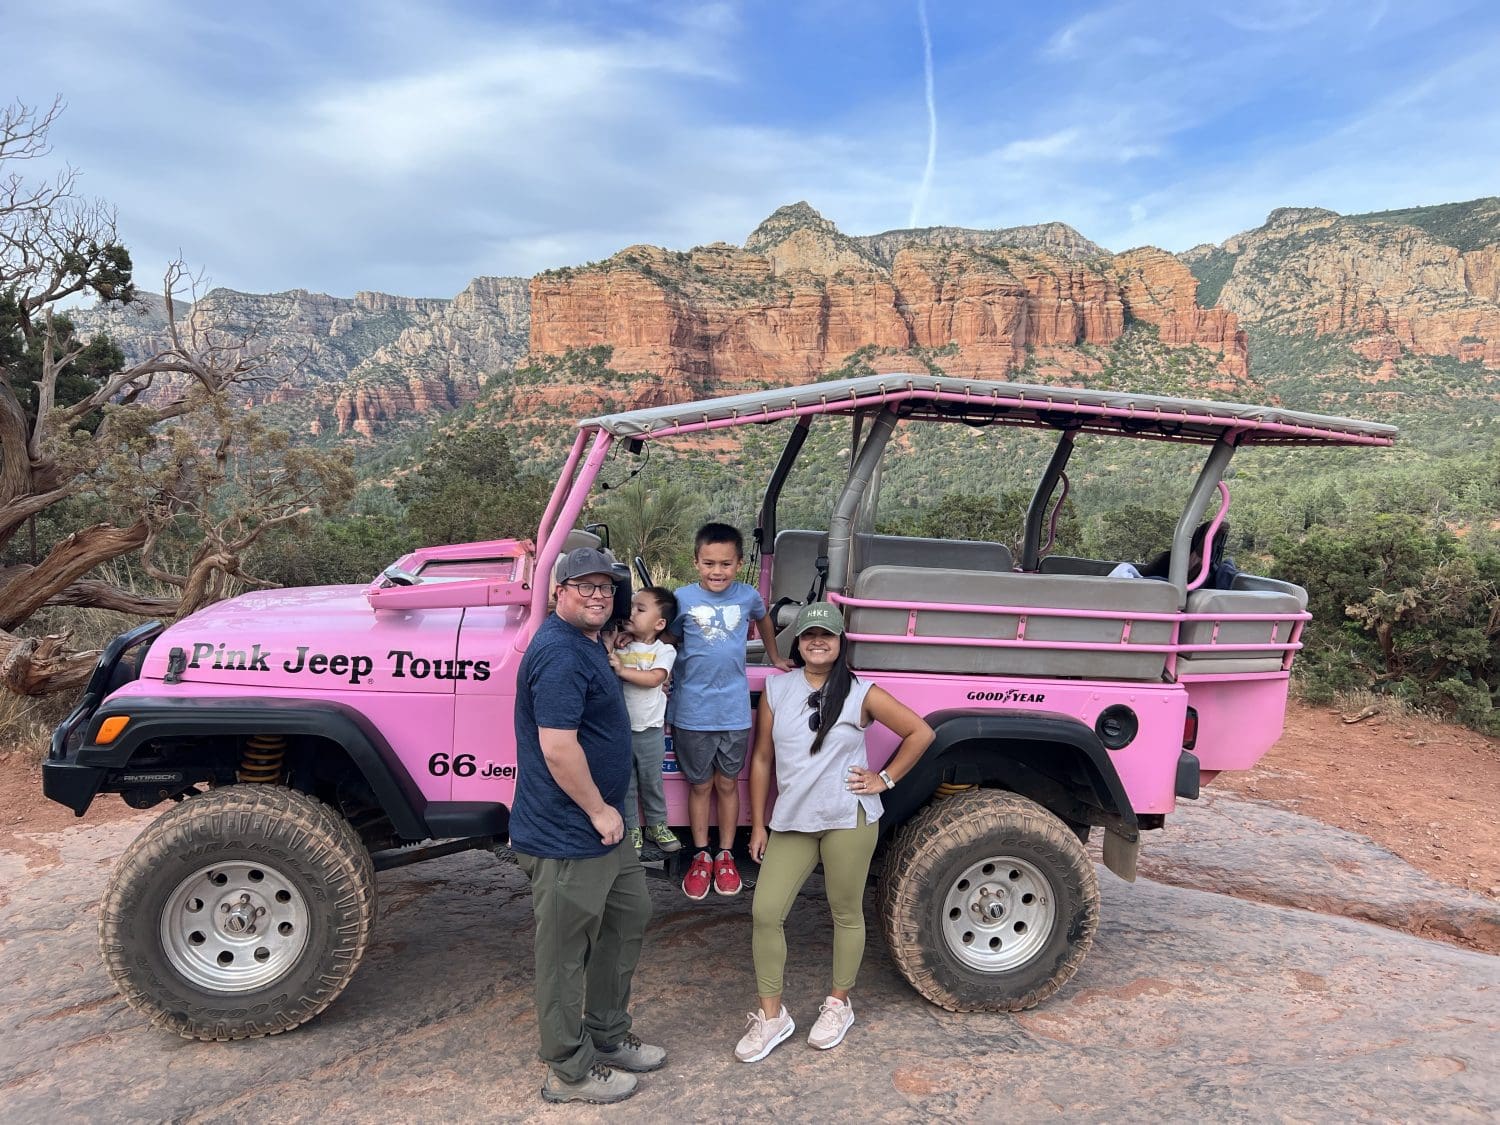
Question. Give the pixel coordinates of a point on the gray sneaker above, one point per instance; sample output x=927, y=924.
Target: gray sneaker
x=664, y=838
x=600, y=1086
x=631, y=1054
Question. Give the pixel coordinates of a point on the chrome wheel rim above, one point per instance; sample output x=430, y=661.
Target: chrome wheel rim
x=998, y=914
x=234, y=926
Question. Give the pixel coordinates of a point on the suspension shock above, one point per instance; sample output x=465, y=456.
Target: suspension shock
x=948, y=788
x=261, y=759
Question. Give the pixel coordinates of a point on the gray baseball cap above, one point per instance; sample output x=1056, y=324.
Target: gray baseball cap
x=819, y=615
x=583, y=560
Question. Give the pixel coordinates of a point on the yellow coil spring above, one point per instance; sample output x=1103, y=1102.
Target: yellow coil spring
x=948, y=788
x=260, y=761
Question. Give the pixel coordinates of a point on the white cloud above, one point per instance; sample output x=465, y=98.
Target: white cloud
x=417, y=146
x=1035, y=148
x=1270, y=15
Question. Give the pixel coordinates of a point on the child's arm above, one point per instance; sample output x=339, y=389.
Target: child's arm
x=767, y=630
x=641, y=677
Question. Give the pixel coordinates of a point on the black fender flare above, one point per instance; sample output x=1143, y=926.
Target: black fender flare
x=156, y=717
x=1053, y=759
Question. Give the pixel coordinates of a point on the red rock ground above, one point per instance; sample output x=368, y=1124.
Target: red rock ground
x=1423, y=790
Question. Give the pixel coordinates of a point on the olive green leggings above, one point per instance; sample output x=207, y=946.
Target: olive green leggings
x=789, y=860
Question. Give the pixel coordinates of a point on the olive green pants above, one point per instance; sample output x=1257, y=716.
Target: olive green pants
x=789, y=860
x=591, y=917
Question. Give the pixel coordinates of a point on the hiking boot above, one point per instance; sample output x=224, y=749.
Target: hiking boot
x=835, y=1017
x=631, y=1054
x=726, y=875
x=762, y=1034
x=696, y=883
x=664, y=838
x=636, y=840
x=599, y=1086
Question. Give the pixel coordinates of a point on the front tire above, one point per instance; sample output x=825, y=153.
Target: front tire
x=239, y=913
x=988, y=903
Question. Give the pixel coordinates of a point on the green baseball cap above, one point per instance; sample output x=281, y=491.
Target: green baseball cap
x=819, y=615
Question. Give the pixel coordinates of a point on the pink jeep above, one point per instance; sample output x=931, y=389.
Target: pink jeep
x=310, y=737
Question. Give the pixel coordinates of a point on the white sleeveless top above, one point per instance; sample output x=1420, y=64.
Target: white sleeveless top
x=812, y=794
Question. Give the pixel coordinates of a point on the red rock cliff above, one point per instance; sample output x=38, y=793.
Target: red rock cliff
x=720, y=317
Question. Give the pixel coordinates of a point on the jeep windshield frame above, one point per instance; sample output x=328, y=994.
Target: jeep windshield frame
x=877, y=402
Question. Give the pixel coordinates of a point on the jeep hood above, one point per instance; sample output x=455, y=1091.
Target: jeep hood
x=323, y=637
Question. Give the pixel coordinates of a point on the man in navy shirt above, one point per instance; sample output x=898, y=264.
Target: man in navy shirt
x=588, y=893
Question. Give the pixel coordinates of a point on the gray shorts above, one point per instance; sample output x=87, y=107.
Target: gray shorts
x=703, y=753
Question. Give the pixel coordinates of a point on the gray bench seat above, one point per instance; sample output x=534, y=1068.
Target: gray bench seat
x=1069, y=564
x=797, y=554
x=1115, y=598
x=1249, y=594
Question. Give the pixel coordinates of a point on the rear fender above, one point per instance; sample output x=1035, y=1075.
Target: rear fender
x=1052, y=759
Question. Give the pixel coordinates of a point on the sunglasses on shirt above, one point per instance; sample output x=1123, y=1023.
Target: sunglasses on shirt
x=815, y=701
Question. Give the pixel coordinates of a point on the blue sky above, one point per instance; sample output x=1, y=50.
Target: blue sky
x=407, y=146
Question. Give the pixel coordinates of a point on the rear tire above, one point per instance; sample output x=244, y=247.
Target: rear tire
x=239, y=913
x=988, y=902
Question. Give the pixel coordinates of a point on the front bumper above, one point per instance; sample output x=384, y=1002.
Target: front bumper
x=68, y=777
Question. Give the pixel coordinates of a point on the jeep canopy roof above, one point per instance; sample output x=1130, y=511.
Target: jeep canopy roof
x=1016, y=404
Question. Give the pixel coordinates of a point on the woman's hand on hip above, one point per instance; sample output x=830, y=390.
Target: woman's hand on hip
x=864, y=782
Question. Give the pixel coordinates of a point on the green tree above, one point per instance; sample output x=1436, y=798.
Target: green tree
x=470, y=487
x=350, y=549
x=1401, y=606
x=167, y=466
x=655, y=522
x=1129, y=533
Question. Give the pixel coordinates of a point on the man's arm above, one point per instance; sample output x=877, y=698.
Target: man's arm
x=570, y=769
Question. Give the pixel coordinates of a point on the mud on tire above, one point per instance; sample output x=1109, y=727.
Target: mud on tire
x=988, y=902
x=239, y=913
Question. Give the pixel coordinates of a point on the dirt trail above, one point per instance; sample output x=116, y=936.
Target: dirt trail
x=1424, y=790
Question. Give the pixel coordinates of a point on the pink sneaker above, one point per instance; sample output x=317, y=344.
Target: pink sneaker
x=699, y=876
x=726, y=875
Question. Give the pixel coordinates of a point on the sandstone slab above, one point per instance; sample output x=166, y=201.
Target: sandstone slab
x=1257, y=851
x=1191, y=1005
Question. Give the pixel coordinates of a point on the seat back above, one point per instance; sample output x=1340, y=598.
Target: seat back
x=1250, y=594
x=1068, y=564
x=1115, y=598
x=911, y=550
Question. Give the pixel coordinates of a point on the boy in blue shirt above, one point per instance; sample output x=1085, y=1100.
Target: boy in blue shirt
x=711, y=700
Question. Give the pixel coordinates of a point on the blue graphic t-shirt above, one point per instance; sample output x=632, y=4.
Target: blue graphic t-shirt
x=710, y=692
x=565, y=683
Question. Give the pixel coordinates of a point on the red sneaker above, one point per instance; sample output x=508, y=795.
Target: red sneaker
x=700, y=874
x=726, y=875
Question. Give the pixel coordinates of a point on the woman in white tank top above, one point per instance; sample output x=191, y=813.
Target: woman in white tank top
x=811, y=729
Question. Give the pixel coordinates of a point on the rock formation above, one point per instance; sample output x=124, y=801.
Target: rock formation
x=353, y=364
x=1424, y=281
x=802, y=297
x=801, y=301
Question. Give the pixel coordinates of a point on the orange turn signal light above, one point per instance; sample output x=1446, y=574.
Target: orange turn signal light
x=110, y=729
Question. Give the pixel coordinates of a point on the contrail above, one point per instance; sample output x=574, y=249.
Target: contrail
x=916, y=207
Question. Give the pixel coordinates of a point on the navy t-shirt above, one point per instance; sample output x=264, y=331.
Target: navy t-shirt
x=565, y=683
